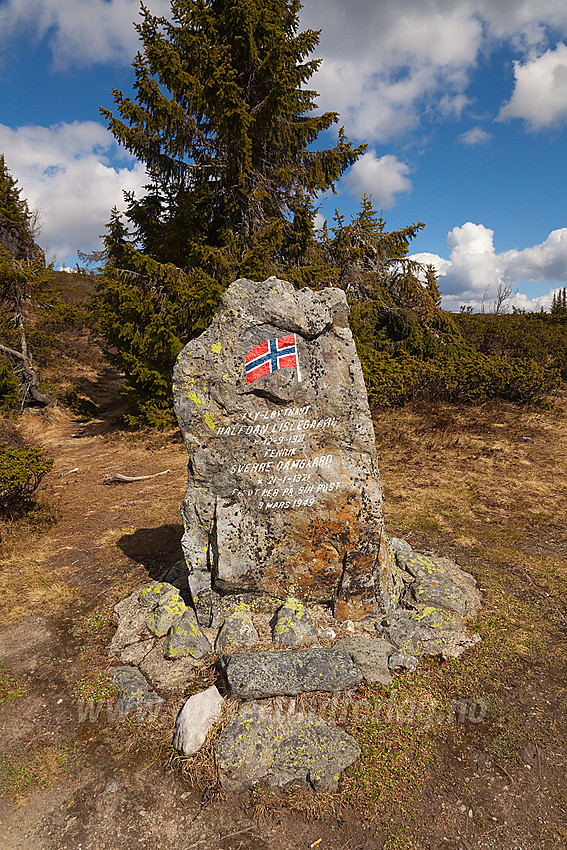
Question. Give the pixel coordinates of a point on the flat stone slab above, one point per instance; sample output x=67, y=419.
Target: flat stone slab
x=441, y=582
x=257, y=675
x=262, y=744
x=370, y=655
x=165, y=674
x=413, y=638
x=431, y=631
x=195, y=719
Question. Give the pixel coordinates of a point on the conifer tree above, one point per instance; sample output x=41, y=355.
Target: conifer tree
x=14, y=210
x=224, y=122
x=20, y=276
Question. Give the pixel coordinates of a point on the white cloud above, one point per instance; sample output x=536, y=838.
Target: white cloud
x=475, y=136
x=79, y=32
x=67, y=172
x=382, y=178
x=540, y=91
x=474, y=270
x=384, y=62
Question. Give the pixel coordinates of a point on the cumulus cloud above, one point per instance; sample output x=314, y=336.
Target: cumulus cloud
x=382, y=178
x=540, y=90
x=79, y=32
x=67, y=173
x=474, y=271
x=475, y=136
x=383, y=63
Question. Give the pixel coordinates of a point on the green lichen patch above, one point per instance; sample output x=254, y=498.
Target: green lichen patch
x=154, y=593
x=294, y=626
x=185, y=639
x=437, y=618
x=421, y=566
x=169, y=611
x=439, y=593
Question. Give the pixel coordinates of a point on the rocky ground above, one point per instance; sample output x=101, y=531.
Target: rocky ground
x=468, y=753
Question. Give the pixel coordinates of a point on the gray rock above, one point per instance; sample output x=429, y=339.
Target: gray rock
x=437, y=618
x=261, y=744
x=237, y=630
x=165, y=674
x=421, y=566
x=283, y=484
x=136, y=652
x=428, y=569
x=152, y=594
x=186, y=638
x=196, y=719
x=131, y=624
x=400, y=660
x=178, y=576
x=370, y=656
x=399, y=545
x=412, y=637
x=256, y=675
x=438, y=592
x=293, y=626
x=133, y=690
x=169, y=611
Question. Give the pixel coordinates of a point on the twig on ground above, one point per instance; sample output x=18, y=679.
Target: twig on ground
x=118, y=478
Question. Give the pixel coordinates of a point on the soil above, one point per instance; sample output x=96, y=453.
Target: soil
x=455, y=483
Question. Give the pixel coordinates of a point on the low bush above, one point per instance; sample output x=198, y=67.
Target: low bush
x=21, y=472
x=9, y=386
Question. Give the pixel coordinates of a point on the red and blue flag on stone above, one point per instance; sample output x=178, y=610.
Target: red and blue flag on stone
x=270, y=355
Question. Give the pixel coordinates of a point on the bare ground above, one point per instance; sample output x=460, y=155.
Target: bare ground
x=485, y=485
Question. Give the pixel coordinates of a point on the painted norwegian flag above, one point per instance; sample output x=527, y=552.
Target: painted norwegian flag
x=270, y=355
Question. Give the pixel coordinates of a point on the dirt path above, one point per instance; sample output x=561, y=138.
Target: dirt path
x=453, y=482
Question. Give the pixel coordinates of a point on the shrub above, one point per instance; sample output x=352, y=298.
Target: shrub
x=9, y=386
x=21, y=471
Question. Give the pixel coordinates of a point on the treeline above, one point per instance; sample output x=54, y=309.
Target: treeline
x=226, y=126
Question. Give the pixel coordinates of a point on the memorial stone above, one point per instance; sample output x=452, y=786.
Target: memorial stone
x=283, y=484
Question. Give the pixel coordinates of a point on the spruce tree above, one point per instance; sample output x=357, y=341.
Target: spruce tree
x=224, y=122
x=21, y=275
x=14, y=211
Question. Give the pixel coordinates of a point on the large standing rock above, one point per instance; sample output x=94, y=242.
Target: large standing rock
x=283, y=484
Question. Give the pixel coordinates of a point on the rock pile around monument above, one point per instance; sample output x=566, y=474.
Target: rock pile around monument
x=261, y=655
x=288, y=574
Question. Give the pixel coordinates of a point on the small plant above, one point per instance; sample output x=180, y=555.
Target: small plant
x=10, y=688
x=21, y=472
x=98, y=688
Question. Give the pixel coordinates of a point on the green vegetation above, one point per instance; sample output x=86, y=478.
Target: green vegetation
x=223, y=122
x=14, y=210
x=21, y=471
x=21, y=277
x=10, y=687
x=540, y=337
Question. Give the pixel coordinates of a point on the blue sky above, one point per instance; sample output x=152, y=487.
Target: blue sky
x=463, y=105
